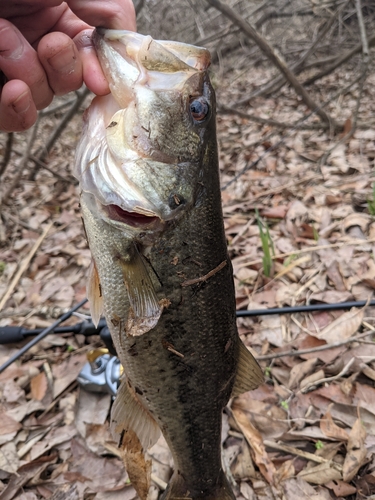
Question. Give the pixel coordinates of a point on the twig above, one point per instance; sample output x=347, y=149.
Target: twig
x=301, y=453
x=341, y=60
x=325, y=380
x=22, y=165
x=81, y=96
x=267, y=357
x=274, y=58
x=275, y=85
x=42, y=155
x=162, y=485
x=43, y=165
x=266, y=121
x=23, y=266
x=305, y=250
x=297, y=126
x=7, y=153
x=362, y=29
x=139, y=6
x=59, y=107
x=363, y=74
x=202, y=279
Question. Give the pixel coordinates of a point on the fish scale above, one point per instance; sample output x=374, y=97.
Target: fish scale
x=166, y=283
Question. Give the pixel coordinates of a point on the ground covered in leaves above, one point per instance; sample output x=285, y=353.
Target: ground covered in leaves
x=309, y=430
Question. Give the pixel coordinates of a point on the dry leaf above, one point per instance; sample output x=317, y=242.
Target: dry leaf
x=138, y=468
x=356, y=452
x=331, y=429
x=8, y=424
x=341, y=489
x=343, y=327
x=39, y=386
x=255, y=441
x=300, y=371
x=320, y=474
x=9, y=460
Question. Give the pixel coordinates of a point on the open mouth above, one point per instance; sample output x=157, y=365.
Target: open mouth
x=133, y=219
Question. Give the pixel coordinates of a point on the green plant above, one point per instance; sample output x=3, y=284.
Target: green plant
x=267, y=244
x=267, y=371
x=285, y=405
x=319, y=445
x=371, y=202
x=2, y=266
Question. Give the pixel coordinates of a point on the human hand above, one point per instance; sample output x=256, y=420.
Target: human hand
x=46, y=50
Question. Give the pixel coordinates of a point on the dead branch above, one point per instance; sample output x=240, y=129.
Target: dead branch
x=326, y=347
x=299, y=65
x=341, y=60
x=22, y=165
x=296, y=126
x=274, y=58
x=81, y=96
x=43, y=165
x=365, y=65
x=139, y=6
x=273, y=123
x=326, y=380
x=7, y=153
x=275, y=85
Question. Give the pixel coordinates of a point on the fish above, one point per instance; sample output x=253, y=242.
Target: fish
x=147, y=164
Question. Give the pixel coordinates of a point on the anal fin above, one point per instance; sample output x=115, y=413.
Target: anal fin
x=145, y=308
x=249, y=374
x=94, y=293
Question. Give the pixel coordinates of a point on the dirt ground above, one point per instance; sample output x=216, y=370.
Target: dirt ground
x=309, y=430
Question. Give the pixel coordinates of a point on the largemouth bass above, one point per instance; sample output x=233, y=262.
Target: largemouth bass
x=148, y=169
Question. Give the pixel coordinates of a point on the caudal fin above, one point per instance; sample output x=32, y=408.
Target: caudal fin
x=179, y=489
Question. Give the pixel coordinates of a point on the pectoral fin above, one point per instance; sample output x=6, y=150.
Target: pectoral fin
x=94, y=294
x=249, y=374
x=145, y=308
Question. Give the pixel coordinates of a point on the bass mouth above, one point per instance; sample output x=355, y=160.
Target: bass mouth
x=133, y=219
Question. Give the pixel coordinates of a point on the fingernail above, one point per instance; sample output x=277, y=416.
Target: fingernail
x=64, y=61
x=22, y=103
x=11, y=45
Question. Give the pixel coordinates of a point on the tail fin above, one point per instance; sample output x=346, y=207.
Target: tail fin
x=179, y=489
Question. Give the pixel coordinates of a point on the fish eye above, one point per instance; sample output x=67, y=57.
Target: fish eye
x=199, y=108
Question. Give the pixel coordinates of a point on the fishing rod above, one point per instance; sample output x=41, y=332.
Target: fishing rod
x=12, y=334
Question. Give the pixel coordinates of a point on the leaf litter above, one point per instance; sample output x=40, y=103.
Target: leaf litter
x=309, y=431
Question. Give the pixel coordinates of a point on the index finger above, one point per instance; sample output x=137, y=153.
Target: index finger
x=19, y=61
x=114, y=14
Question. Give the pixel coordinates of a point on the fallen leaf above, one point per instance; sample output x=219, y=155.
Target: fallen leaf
x=343, y=327
x=300, y=371
x=331, y=429
x=255, y=441
x=320, y=474
x=24, y=474
x=341, y=489
x=9, y=461
x=356, y=452
x=8, y=424
x=39, y=386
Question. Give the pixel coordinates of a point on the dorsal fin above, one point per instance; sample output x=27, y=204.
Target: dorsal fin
x=249, y=374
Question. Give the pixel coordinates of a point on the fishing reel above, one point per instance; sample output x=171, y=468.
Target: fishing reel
x=101, y=373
